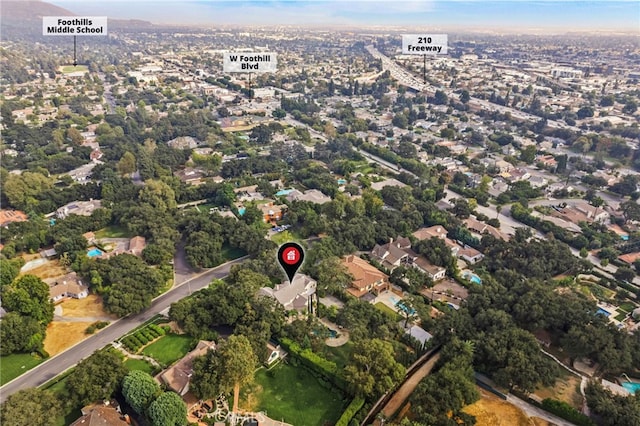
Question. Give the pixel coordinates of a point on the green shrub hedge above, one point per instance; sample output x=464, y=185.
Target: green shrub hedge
x=351, y=411
x=567, y=412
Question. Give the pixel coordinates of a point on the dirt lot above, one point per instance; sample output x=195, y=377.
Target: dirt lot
x=90, y=306
x=490, y=410
x=62, y=335
x=449, y=285
x=50, y=269
x=565, y=389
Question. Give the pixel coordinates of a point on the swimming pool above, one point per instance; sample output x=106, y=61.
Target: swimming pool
x=631, y=387
x=410, y=311
x=241, y=210
x=95, y=252
x=284, y=192
x=342, y=181
x=472, y=277
x=603, y=312
x=332, y=333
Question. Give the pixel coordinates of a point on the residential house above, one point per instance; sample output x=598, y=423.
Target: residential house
x=107, y=414
x=272, y=213
x=191, y=176
x=80, y=208
x=183, y=142
x=66, y=286
x=629, y=258
x=436, y=231
x=387, y=182
x=11, y=216
x=311, y=195
x=470, y=255
x=421, y=263
x=392, y=254
x=547, y=161
x=367, y=279
x=178, y=376
x=294, y=295
x=136, y=245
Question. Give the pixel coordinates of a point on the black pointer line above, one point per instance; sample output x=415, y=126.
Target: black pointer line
x=75, y=62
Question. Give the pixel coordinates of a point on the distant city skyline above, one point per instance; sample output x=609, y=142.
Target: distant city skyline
x=524, y=16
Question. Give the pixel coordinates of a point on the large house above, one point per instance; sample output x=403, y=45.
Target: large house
x=367, y=279
x=80, y=208
x=398, y=252
x=178, y=376
x=67, y=286
x=102, y=414
x=294, y=295
x=311, y=195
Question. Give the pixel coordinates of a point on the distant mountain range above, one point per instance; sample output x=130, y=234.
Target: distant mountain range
x=23, y=19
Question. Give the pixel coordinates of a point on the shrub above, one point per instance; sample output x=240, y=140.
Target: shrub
x=90, y=330
x=352, y=409
x=567, y=412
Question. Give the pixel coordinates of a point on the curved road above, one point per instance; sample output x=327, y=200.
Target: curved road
x=70, y=357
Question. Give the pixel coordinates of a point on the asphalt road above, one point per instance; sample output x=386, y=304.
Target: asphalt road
x=69, y=358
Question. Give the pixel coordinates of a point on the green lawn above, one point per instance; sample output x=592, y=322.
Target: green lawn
x=340, y=355
x=169, y=348
x=388, y=310
x=627, y=307
x=621, y=316
x=113, y=232
x=139, y=364
x=11, y=366
x=67, y=69
x=296, y=397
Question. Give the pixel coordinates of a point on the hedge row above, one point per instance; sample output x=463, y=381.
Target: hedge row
x=351, y=411
x=325, y=368
x=567, y=412
x=141, y=337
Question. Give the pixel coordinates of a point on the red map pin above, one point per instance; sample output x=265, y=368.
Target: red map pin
x=290, y=257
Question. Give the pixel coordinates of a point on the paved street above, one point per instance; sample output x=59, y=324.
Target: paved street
x=67, y=359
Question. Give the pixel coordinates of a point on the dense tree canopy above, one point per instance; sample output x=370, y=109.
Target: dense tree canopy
x=29, y=407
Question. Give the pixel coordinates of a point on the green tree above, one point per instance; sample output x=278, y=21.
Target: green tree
x=96, y=378
x=528, y=154
x=372, y=369
x=205, y=382
x=159, y=195
x=168, y=410
x=20, y=334
x=22, y=190
x=237, y=363
x=29, y=296
x=139, y=389
x=29, y=407
x=127, y=164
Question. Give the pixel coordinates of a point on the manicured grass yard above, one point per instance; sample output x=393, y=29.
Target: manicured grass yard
x=67, y=69
x=388, y=310
x=169, y=348
x=295, y=396
x=627, y=307
x=11, y=366
x=139, y=364
x=340, y=355
x=113, y=232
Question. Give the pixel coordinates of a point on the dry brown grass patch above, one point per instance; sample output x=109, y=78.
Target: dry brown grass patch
x=63, y=335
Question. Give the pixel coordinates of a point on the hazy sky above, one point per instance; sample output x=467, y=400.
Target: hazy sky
x=505, y=14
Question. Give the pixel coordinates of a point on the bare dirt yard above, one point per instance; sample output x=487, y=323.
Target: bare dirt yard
x=48, y=269
x=565, y=389
x=62, y=335
x=90, y=306
x=490, y=410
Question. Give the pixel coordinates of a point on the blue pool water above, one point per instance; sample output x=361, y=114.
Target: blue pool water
x=284, y=192
x=332, y=333
x=241, y=210
x=410, y=311
x=603, y=312
x=473, y=278
x=342, y=181
x=631, y=387
x=94, y=252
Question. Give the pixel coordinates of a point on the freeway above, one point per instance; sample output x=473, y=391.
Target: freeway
x=70, y=357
